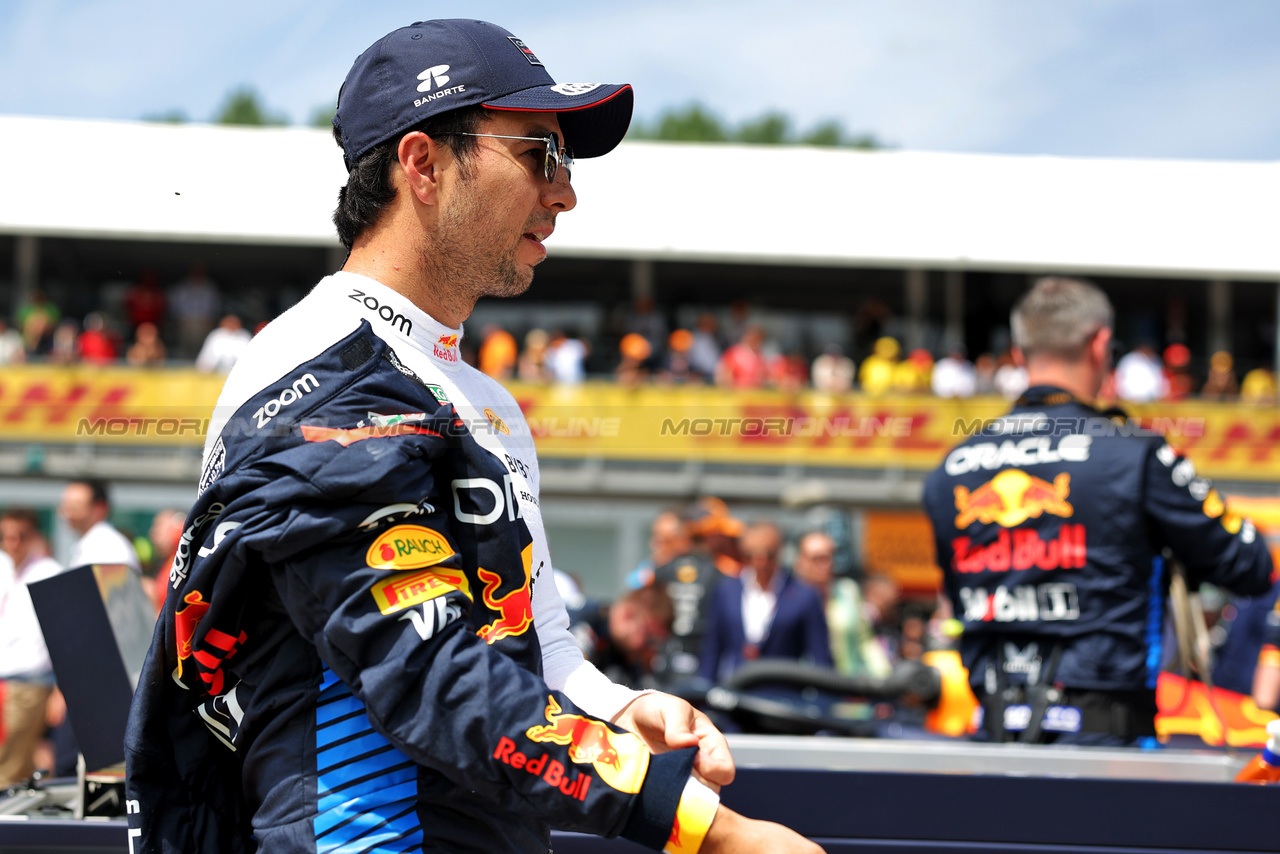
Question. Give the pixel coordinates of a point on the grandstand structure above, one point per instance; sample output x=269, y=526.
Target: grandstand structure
x=805, y=237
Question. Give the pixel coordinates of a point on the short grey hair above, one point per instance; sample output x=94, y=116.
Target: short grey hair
x=1058, y=316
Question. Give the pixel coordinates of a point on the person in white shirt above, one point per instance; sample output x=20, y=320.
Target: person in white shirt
x=223, y=346
x=25, y=668
x=85, y=508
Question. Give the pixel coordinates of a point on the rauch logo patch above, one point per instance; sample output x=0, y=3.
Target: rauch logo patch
x=408, y=547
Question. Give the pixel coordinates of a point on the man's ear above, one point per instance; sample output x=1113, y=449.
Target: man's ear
x=421, y=159
x=1100, y=348
x=1019, y=358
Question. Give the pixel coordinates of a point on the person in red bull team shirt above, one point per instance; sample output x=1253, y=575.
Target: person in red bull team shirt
x=1050, y=525
x=362, y=647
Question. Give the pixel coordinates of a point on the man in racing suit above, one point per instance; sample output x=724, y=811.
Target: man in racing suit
x=362, y=648
x=1050, y=525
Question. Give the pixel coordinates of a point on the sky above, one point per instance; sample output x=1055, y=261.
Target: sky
x=1196, y=79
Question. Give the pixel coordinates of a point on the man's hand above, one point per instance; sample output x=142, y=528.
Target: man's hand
x=732, y=833
x=667, y=723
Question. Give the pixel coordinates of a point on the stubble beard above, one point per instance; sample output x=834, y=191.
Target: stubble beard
x=467, y=259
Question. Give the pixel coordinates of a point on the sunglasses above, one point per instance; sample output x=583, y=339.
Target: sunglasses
x=557, y=155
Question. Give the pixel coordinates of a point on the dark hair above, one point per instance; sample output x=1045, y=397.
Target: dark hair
x=369, y=191
x=23, y=515
x=97, y=490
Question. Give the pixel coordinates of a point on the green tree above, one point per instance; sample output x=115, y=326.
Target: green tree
x=168, y=117
x=242, y=108
x=772, y=128
x=693, y=123
x=829, y=133
x=322, y=117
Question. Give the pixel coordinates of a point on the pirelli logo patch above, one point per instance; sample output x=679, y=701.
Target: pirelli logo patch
x=404, y=591
x=408, y=547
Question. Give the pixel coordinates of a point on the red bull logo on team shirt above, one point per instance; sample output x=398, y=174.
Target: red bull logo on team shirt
x=514, y=609
x=217, y=646
x=185, y=622
x=408, y=547
x=1011, y=498
x=620, y=759
x=1021, y=550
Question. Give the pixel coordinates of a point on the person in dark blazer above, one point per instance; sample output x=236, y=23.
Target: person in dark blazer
x=766, y=612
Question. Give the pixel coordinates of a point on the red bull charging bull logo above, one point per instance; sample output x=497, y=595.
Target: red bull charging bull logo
x=620, y=759
x=446, y=348
x=515, y=609
x=185, y=622
x=217, y=646
x=1011, y=498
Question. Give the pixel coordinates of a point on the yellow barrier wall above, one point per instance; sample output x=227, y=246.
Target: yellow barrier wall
x=43, y=403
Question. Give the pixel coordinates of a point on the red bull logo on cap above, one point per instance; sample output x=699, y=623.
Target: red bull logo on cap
x=1011, y=498
x=621, y=759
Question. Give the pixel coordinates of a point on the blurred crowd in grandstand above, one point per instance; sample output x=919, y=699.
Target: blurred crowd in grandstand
x=191, y=322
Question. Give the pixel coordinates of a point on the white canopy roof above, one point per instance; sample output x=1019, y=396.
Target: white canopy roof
x=665, y=201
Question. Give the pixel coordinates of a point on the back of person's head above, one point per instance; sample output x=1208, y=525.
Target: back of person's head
x=1058, y=317
x=99, y=492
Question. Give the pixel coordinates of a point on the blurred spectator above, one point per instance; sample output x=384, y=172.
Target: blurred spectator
x=984, y=373
x=881, y=597
x=913, y=374
x=623, y=639
x=743, y=364
x=1139, y=376
x=765, y=613
x=37, y=319
x=566, y=355
x=223, y=346
x=1258, y=388
x=704, y=354
x=645, y=320
x=95, y=345
x=715, y=532
x=1221, y=383
x=635, y=351
x=954, y=375
x=531, y=366
x=144, y=301
x=62, y=348
x=668, y=540
x=12, y=350
x=25, y=669
x=1177, y=373
x=855, y=650
x=498, y=352
x=686, y=569
x=194, y=304
x=147, y=350
x=875, y=377
x=833, y=371
x=85, y=507
x=165, y=535
x=1011, y=378
x=789, y=371
x=676, y=367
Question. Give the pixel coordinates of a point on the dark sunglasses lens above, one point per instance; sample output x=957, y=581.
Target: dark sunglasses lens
x=552, y=161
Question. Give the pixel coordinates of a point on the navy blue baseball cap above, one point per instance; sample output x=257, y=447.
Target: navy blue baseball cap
x=432, y=67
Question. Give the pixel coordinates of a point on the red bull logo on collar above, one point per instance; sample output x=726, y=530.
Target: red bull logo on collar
x=446, y=348
x=1011, y=498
